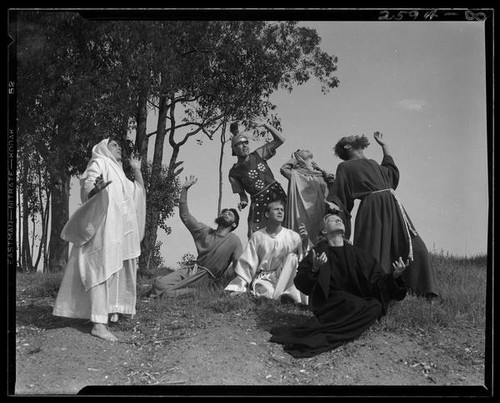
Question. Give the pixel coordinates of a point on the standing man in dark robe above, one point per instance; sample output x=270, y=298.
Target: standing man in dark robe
x=382, y=226
x=348, y=292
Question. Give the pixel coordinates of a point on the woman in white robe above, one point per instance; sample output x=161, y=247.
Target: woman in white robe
x=106, y=231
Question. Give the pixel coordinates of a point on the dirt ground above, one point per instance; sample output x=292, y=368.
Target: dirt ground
x=229, y=354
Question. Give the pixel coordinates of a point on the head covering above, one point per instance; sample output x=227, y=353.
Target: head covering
x=239, y=137
x=304, y=165
x=101, y=150
x=300, y=157
x=236, y=139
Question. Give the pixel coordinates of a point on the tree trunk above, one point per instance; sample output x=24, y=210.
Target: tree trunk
x=58, y=248
x=19, y=232
x=26, y=262
x=221, y=159
x=46, y=233
x=141, y=140
x=42, y=217
x=152, y=216
x=43, y=240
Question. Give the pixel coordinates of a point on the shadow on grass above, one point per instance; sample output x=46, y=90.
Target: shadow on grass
x=270, y=314
x=41, y=317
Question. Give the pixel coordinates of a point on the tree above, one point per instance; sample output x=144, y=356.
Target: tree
x=66, y=101
x=212, y=71
x=81, y=80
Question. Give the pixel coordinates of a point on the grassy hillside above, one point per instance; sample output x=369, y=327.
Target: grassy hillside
x=462, y=280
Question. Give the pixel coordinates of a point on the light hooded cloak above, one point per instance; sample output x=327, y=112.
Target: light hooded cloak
x=307, y=191
x=106, y=231
x=109, y=226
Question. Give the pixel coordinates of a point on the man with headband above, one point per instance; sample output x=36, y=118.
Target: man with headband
x=251, y=174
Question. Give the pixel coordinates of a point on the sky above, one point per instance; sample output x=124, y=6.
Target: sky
x=421, y=84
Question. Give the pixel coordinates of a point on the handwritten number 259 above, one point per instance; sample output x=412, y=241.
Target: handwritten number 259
x=386, y=15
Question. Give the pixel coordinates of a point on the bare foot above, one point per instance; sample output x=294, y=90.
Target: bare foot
x=100, y=330
x=114, y=318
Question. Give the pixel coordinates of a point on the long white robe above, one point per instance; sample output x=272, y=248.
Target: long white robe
x=100, y=277
x=268, y=265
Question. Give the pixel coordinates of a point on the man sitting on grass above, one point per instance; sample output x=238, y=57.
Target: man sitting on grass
x=218, y=249
x=269, y=261
x=348, y=292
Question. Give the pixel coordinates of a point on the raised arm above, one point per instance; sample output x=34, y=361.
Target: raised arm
x=135, y=164
x=189, y=221
x=277, y=136
x=378, y=138
x=286, y=169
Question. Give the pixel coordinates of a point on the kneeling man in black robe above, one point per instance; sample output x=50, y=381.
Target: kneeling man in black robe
x=348, y=292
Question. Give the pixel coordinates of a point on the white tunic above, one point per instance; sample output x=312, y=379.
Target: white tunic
x=268, y=265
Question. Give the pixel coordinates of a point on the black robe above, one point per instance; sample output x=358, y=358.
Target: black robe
x=380, y=227
x=347, y=295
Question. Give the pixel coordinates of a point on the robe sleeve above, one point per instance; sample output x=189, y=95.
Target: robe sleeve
x=305, y=279
x=246, y=267
x=341, y=189
x=87, y=182
x=268, y=150
x=380, y=285
x=191, y=223
x=236, y=185
x=140, y=208
x=86, y=220
x=391, y=171
x=341, y=195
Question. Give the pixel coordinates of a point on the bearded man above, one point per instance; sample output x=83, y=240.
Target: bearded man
x=218, y=250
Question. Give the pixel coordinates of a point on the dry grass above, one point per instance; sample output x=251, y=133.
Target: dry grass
x=462, y=280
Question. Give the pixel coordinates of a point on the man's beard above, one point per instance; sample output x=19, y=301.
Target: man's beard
x=223, y=221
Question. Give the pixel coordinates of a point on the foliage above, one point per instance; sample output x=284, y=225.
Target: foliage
x=67, y=100
x=162, y=195
x=67, y=97
x=187, y=259
x=82, y=79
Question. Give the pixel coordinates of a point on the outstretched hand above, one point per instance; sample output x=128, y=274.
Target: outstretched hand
x=318, y=261
x=332, y=207
x=303, y=231
x=399, y=267
x=99, y=184
x=378, y=138
x=188, y=182
x=135, y=163
x=242, y=204
x=257, y=120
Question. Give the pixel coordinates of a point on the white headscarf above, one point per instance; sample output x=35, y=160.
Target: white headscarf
x=101, y=150
x=116, y=215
